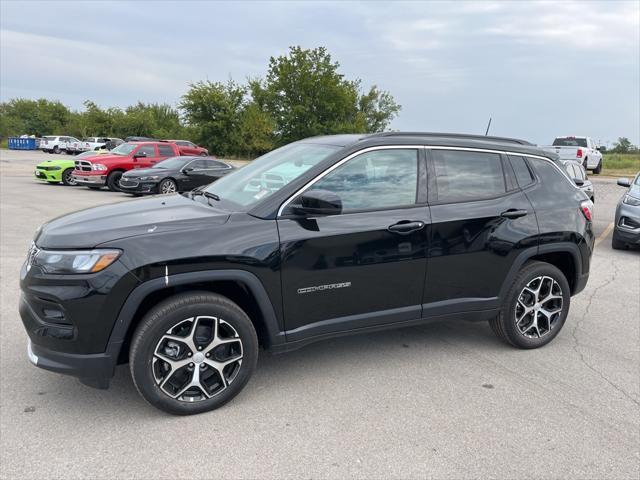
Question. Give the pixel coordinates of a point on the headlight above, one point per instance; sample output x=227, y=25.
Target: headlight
x=629, y=200
x=55, y=168
x=98, y=166
x=150, y=177
x=72, y=261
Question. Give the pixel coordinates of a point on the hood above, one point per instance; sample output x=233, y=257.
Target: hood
x=105, y=157
x=153, y=215
x=57, y=163
x=141, y=172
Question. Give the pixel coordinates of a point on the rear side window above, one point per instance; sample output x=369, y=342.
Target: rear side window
x=520, y=168
x=214, y=164
x=166, y=151
x=553, y=180
x=464, y=176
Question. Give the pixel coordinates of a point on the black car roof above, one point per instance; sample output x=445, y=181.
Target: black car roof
x=433, y=138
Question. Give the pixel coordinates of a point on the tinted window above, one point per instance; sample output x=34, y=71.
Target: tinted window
x=166, y=151
x=375, y=180
x=149, y=150
x=182, y=144
x=198, y=164
x=214, y=164
x=570, y=142
x=464, y=175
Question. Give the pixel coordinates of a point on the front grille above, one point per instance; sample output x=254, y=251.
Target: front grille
x=125, y=182
x=83, y=165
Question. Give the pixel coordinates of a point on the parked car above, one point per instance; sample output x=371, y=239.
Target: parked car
x=175, y=174
x=376, y=231
x=96, y=143
x=140, y=139
x=579, y=149
x=56, y=171
x=578, y=174
x=189, y=148
x=96, y=172
x=56, y=143
x=627, y=221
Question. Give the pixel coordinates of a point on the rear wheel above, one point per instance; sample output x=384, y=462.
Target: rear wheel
x=56, y=149
x=203, y=154
x=113, y=181
x=67, y=177
x=535, y=308
x=193, y=353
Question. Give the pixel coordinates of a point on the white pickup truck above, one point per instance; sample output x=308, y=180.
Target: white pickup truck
x=579, y=149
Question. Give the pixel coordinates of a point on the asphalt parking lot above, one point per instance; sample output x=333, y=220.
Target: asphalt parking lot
x=439, y=401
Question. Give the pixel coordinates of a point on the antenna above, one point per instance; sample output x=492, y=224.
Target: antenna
x=488, y=125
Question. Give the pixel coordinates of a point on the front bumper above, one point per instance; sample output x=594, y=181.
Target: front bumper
x=135, y=186
x=48, y=175
x=627, y=227
x=90, y=180
x=93, y=370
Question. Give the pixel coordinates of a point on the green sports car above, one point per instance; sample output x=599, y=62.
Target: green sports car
x=56, y=171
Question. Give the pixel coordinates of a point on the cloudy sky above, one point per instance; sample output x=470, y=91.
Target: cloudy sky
x=540, y=69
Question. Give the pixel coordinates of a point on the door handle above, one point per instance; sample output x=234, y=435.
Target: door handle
x=513, y=213
x=405, y=227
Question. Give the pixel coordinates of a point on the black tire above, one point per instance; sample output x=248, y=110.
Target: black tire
x=168, y=185
x=95, y=188
x=113, y=181
x=56, y=149
x=172, y=312
x=598, y=169
x=504, y=325
x=617, y=244
x=203, y=154
x=67, y=179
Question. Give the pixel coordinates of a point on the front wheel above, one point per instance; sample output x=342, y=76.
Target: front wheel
x=56, y=149
x=535, y=307
x=67, y=177
x=113, y=181
x=193, y=353
x=167, y=186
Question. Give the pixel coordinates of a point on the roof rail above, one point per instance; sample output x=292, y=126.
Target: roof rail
x=454, y=135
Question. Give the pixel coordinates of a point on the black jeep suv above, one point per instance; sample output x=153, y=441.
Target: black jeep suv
x=323, y=237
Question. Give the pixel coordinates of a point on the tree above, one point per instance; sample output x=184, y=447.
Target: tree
x=306, y=95
x=623, y=145
x=212, y=110
x=33, y=117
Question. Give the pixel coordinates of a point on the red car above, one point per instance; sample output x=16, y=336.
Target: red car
x=96, y=172
x=189, y=148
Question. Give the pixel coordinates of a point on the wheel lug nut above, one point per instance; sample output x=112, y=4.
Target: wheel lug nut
x=190, y=354
x=191, y=365
x=202, y=365
x=207, y=355
x=199, y=348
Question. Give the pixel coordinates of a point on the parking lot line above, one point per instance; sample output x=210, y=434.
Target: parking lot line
x=604, y=234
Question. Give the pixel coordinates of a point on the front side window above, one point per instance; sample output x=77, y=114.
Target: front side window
x=380, y=179
x=466, y=175
x=148, y=150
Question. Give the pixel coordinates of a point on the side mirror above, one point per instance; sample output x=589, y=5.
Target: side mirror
x=598, y=148
x=624, y=182
x=318, y=203
x=187, y=170
x=578, y=181
x=140, y=155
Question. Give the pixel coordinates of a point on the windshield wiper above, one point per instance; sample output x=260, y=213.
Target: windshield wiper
x=204, y=193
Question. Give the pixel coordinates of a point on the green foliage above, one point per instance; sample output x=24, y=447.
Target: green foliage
x=621, y=163
x=306, y=95
x=302, y=95
x=624, y=145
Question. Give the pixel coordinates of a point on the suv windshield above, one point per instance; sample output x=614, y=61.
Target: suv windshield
x=124, y=149
x=269, y=173
x=570, y=142
x=173, y=163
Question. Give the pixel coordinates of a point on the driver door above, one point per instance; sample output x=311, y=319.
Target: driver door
x=365, y=266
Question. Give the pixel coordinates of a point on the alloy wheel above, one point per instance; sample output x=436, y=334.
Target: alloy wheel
x=68, y=178
x=168, y=187
x=197, y=359
x=538, y=307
